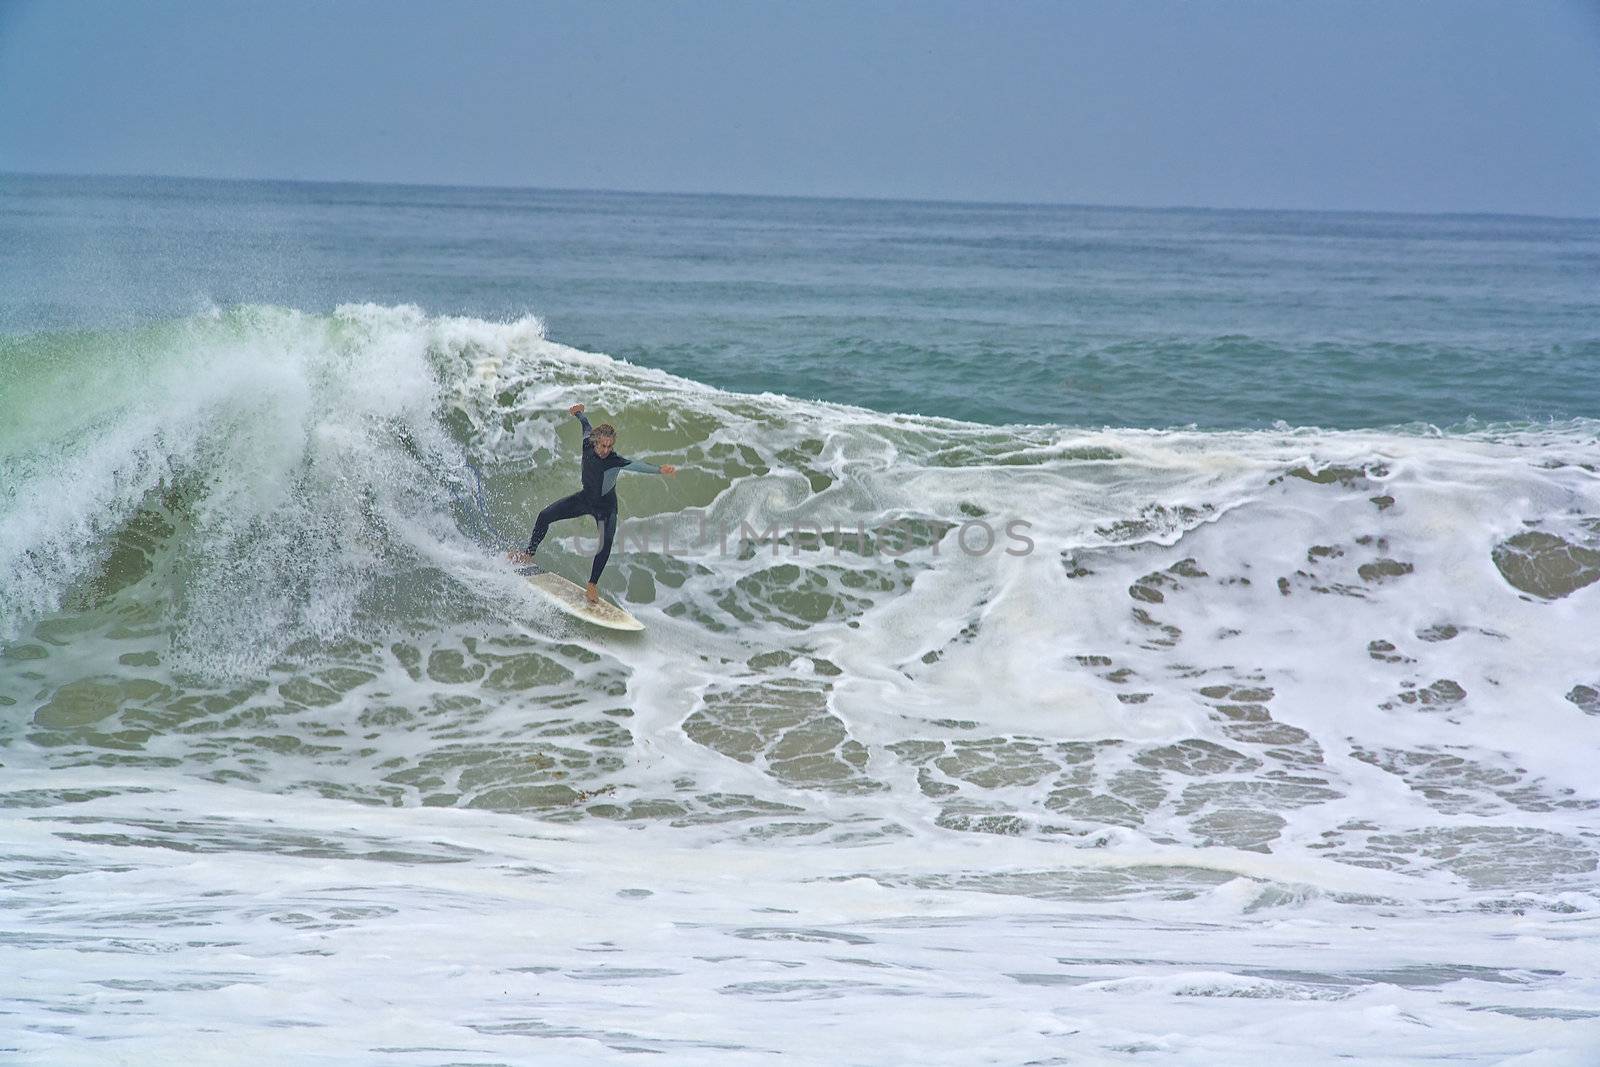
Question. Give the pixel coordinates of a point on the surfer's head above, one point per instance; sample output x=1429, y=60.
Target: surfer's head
x=605, y=439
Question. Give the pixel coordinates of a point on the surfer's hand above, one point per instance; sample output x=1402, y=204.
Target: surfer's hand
x=668, y=469
x=576, y=409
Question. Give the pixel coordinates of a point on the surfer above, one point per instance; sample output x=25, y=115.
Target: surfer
x=597, y=498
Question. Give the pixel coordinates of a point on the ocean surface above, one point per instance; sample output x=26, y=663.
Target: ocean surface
x=1075, y=635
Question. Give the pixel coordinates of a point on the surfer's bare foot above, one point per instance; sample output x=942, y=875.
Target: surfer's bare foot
x=519, y=557
x=592, y=592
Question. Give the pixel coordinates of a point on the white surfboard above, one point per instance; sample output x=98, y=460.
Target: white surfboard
x=569, y=597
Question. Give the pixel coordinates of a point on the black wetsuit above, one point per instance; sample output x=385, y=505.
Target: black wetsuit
x=598, y=498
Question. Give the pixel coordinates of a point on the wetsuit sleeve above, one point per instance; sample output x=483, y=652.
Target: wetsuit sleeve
x=588, y=431
x=608, y=481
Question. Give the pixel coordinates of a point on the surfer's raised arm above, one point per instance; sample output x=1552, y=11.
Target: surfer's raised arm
x=588, y=431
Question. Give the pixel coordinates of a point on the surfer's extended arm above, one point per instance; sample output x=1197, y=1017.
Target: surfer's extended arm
x=646, y=468
x=609, y=479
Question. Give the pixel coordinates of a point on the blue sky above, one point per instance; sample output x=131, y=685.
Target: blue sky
x=1422, y=105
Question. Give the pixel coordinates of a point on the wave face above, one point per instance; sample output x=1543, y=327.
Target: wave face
x=895, y=666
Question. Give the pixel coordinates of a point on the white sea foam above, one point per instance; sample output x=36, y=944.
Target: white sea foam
x=1266, y=746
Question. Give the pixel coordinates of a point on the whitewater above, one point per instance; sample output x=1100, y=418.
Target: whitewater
x=948, y=741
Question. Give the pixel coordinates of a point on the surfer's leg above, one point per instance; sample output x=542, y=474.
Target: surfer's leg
x=608, y=533
x=568, y=507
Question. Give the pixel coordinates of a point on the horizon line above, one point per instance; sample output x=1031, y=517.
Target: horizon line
x=955, y=202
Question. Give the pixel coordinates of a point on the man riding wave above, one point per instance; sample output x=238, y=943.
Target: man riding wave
x=597, y=498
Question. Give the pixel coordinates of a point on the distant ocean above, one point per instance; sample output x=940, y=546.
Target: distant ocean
x=1075, y=634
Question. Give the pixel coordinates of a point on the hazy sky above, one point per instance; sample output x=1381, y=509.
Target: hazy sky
x=1412, y=105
